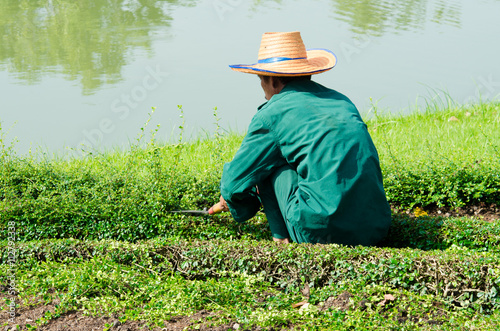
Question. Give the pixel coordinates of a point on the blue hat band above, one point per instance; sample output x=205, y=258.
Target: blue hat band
x=280, y=59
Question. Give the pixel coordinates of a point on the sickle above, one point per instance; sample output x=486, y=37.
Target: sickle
x=213, y=210
x=192, y=212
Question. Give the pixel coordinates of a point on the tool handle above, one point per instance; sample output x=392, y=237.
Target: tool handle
x=215, y=209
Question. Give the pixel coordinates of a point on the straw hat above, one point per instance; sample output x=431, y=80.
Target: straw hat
x=284, y=54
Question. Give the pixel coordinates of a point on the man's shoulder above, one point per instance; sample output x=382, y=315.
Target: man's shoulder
x=306, y=104
x=298, y=94
x=309, y=89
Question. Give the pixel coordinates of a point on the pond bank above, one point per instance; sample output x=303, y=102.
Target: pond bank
x=445, y=160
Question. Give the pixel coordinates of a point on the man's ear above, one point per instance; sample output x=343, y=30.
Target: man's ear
x=276, y=83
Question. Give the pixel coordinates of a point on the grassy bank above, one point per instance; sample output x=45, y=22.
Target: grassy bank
x=440, y=157
x=444, y=159
x=95, y=236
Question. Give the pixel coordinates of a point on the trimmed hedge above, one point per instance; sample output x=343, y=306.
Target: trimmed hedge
x=425, y=233
x=130, y=198
x=463, y=277
x=429, y=233
x=443, y=185
x=97, y=202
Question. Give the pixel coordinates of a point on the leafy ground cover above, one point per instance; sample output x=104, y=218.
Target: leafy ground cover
x=256, y=285
x=96, y=246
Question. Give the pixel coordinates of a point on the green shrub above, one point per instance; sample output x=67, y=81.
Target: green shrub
x=462, y=277
x=427, y=233
x=127, y=195
x=442, y=186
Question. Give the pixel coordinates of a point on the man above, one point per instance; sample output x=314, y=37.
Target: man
x=307, y=157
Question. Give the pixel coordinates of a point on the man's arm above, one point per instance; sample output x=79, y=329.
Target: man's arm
x=257, y=157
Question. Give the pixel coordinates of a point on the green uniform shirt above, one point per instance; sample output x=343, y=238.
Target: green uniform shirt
x=319, y=133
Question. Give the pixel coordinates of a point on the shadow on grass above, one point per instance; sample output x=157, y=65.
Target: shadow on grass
x=430, y=233
x=424, y=233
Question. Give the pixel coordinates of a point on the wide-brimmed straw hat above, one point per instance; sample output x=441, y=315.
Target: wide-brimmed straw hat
x=284, y=54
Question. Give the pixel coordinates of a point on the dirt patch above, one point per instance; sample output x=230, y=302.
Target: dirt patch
x=486, y=212
x=27, y=315
x=341, y=302
x=77, y=321
x=436, y=315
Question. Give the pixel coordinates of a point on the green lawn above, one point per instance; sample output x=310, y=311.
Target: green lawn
x=94, y=236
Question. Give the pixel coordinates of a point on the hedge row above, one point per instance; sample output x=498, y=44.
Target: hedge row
x=425, y=233
x=451, y=185
x=97, y=202
x=131, y=199
x=460, y=276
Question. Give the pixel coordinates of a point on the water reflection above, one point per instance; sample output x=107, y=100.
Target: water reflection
x=85, y=40
x=90, y=41
x=377, y=17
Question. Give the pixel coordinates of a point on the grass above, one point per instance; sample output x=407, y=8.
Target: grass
x=95, y=235
x=455, y=135
x=450, y=156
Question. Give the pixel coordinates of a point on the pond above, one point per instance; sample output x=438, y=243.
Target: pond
x=85, y=74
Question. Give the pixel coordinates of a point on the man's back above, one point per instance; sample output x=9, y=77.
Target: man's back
x=308, y=152
x=321, y=135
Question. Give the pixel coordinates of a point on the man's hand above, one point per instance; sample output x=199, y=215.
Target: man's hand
x=219, y=207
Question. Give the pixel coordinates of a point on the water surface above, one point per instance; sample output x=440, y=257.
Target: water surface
x=86, y=73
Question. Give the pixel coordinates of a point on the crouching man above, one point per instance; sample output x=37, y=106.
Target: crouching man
x=307, y=157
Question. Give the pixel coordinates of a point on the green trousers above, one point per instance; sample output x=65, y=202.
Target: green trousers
x=277, y=194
